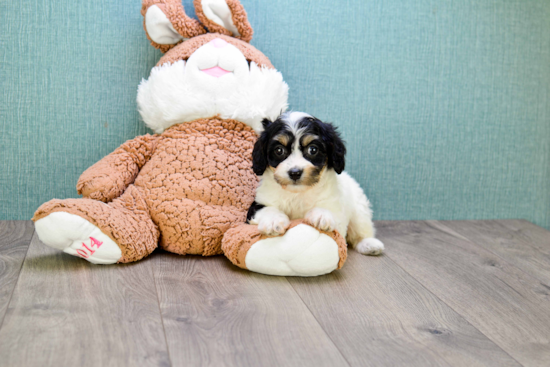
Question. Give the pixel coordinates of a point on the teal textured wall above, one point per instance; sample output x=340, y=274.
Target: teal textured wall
x=444, y=104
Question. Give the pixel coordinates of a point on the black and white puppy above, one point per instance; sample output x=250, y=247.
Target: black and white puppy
x=301, y=162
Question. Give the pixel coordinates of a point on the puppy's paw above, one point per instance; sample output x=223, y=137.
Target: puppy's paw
x=273, y=224
x=370, y=246
x=321, y=219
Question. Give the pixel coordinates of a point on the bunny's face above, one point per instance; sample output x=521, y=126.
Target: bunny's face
x=207, y=74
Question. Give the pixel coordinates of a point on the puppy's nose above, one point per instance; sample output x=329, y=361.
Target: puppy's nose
x=218, y=43
x=295, y=174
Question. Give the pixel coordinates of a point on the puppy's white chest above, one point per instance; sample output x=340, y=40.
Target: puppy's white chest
x=298, y=207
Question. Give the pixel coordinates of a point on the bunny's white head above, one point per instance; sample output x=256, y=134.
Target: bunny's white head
x=207, y=74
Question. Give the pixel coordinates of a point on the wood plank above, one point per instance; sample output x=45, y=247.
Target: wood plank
x=67, y=312
x=503, y=302
x=519, y=242
x=218, y=315
x=15, y=237
x=378, y=315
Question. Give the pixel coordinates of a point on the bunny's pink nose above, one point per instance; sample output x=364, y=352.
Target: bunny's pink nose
x=218, y=43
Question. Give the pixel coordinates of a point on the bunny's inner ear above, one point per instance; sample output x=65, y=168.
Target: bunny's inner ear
x=224, y=16
x=159, y=28
x=167, y=24
x=218, y=12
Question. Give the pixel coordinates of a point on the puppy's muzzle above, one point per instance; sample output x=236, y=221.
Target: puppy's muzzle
x=295, y=174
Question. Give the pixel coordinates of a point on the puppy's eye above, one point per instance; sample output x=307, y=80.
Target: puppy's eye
x=312, y=150
x=279, y=151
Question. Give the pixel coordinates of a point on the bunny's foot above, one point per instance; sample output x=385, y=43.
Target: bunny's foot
x=76, y=236
x=301, y=251
x=120, y=231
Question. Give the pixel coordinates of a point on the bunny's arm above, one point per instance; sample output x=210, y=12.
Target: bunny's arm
x=108, y=178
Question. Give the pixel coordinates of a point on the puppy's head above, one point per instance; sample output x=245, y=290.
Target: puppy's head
x=299, y=149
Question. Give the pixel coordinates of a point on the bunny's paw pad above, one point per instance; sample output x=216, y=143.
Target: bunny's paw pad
x=302, y=251
x=76, y=236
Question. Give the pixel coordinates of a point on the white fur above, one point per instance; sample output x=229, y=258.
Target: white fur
x=321, y=218
x=272, y=222
x=370, y=246
x=159, y=28
x=181, y=92
x=293, y=117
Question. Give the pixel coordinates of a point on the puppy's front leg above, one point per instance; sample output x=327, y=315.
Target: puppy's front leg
x=271, y=221
x=321, y=218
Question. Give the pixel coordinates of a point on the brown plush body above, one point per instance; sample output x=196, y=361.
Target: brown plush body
x=192, y=182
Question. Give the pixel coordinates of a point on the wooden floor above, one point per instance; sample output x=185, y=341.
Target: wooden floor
x=472, y=293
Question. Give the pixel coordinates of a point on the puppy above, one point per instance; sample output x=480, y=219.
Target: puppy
x=301, y=162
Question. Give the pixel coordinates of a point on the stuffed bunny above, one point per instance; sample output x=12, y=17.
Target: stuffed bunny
x=187, y=188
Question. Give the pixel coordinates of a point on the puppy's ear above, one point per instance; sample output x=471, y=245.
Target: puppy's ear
x=266, y=122
x=259, y=154
x=336, y=148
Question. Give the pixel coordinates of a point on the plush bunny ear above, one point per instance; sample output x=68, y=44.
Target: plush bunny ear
x=166, y=23
x=224, y=16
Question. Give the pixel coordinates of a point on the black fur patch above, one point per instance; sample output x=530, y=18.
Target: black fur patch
x=263, y=153
x=333, y=147
x=252, y=211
